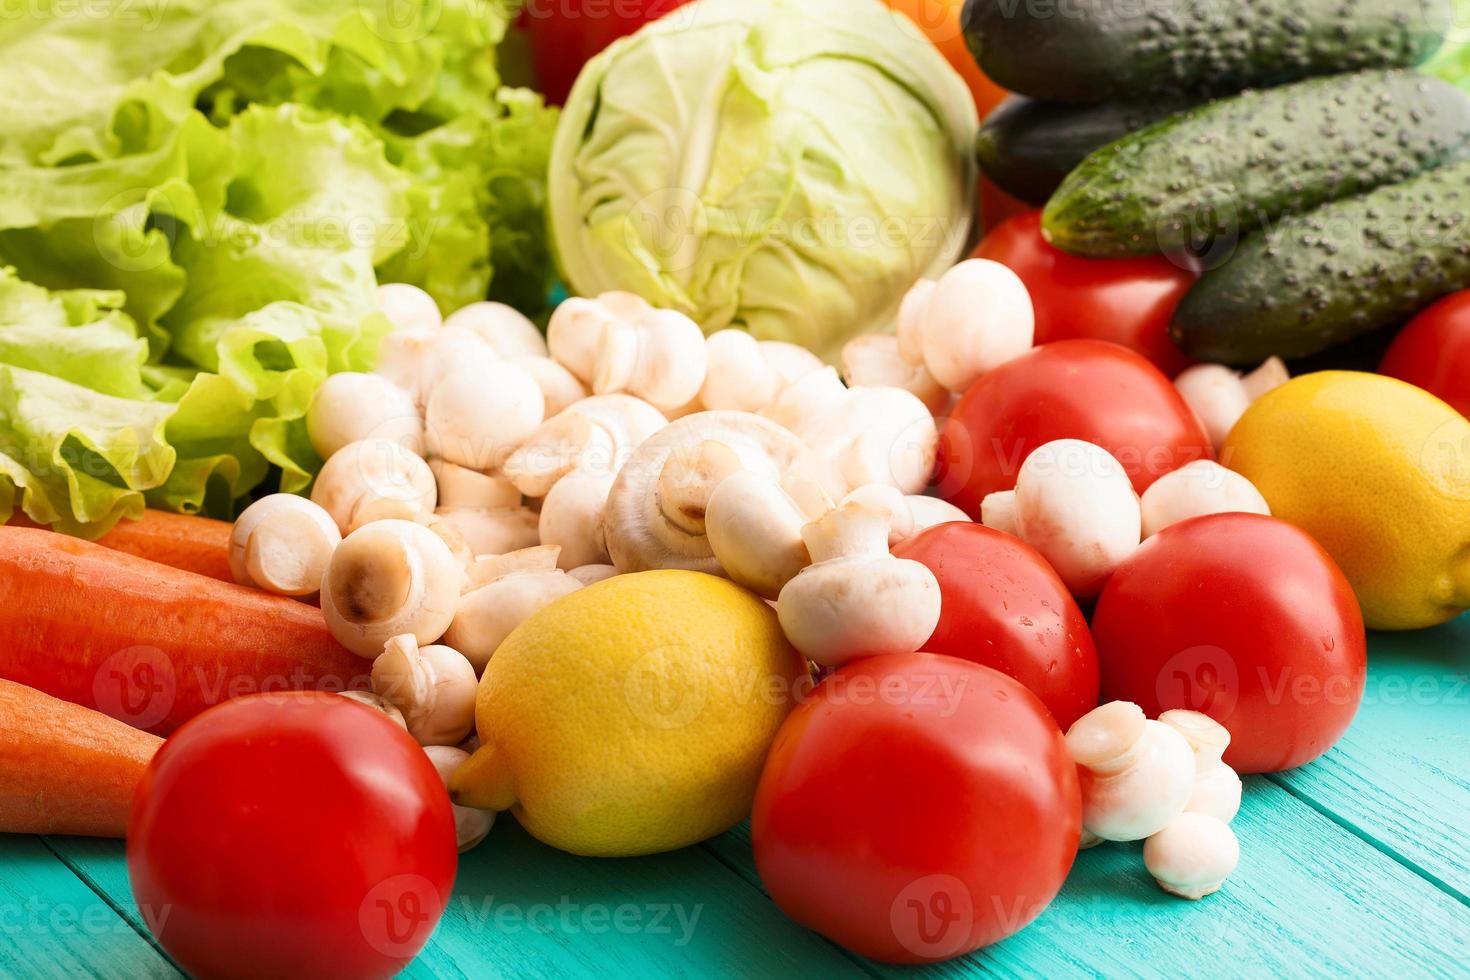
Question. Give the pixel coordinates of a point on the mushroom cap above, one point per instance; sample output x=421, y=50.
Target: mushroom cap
x=487, y=614
x=560, y=388
x=873, y=361
x=574, y=332
x=460, y=487
x=1207, y=737
x=592, y=574
x=477, y=418
x=571, y=518
x=754, y=530
x=1217, y=791
x=387, y=579
x=911, y=314
x=1193, y=855
x=641, y=530
x=1076, y=505
x=738, y=375
x=1272, y=374
x=595, y=435
x=812, y=396
x=978, y=317
x=1139, y=800
x=998, y=511
x=372, y=470
x=508, y=332
x=453, y=350
x=1218, y=397
x=408, y=307
x=931, y=512
x=433, y=686
x=493, y=531
x=282, y=543
x=350, y=407
x=1200, y=488
x=877, y=435
x=1106, y=739
x=857, y=606
x=471, y=826
x=791, y=361
x=377, y=703
x=660, y=358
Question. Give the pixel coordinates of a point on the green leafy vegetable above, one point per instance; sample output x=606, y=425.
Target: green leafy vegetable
x=197, y=201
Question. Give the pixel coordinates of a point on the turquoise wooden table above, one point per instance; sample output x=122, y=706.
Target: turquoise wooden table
x=1356, y=865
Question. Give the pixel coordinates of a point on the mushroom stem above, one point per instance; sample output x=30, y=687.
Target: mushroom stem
x=853, y=530
x=688, y=478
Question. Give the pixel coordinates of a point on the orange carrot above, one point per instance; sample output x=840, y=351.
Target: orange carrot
x=68, y=769
x=148, y=644
x=195, y=544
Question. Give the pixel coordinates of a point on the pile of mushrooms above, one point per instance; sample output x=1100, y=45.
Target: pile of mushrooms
x=1165, y=783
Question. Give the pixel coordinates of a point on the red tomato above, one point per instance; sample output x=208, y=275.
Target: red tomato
x=915, y=808
x=291, y=835
x=1004, y=607
x=1071, y=389
x=566, y=34
x=1127, y=301
x=1433, y=352
x=1242, y=617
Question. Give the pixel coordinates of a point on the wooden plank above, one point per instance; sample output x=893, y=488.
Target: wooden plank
x=521, y=909
x=1400, y=778
x=53, y=925
x=1307, y=892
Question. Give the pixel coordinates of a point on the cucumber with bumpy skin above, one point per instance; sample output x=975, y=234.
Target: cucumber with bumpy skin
x=1106, y=50
x=1232, y=167
x=1342, y=271
x=1028, y=147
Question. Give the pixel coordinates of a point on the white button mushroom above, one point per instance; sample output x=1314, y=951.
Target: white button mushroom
x=1136, y=774
x=350, y=407
x=1203, y=487
x=477, y=419
x=595, y=436
x=660, y=358
x=508, y=332
x=855, y=599
x=908, y=515
x=574, y=333
x=571, y=518
x=1075, y=504
x=372, y=701
x=505, y=592
x=592, y=574
x=791, y=361
x=975, y=318
x=1192, y=856
x=493, y=531
x=419, y=362
x=754, y=528
x=1220, y=396
x=738, y=375
x=655, y=512
x=875, y=362
x=463, y=488
x=387, y=579
x=408, y=307
x=812, y=395
x=433, y=686
x=560, y=388
x=363, y=473
x=471, y=826
x=1217, y=787
x=282, y=544
x=998, y=511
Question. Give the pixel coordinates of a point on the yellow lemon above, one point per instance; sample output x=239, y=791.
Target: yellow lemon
x=1378, y=471
x=633, y=716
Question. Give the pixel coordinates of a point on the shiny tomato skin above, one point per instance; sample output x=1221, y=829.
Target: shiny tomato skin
x=1245, y=618
x=1433, y=352
x=1071, y=389
x=1126, y=301
x=291, y=835
x=1006, y=608
x=916, y=807
x=566, y=34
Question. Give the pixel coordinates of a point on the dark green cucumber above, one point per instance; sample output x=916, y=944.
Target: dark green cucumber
x=1028, y=147
x=1134, y=50
x=1342, y=271
x=1230, y=168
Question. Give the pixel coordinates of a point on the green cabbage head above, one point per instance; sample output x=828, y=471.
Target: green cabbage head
x=786, y=166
